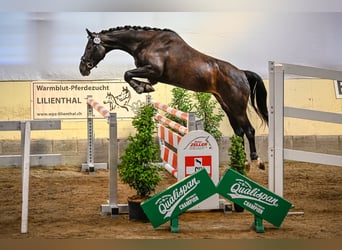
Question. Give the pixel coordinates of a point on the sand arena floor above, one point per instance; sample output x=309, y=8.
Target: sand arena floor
x=64, y=204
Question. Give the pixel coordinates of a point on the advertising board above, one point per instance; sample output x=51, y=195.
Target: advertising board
x=67, y=99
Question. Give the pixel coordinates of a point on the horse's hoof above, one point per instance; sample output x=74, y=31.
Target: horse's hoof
x=262, y=165
x=258, y=163
x=139, y=89
x=148, y=88
x=248, y=166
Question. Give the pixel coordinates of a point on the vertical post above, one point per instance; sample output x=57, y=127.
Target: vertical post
x=90, y=129
x=25, y=157
x=191, y=123
x=276, y=128
x=113, y=162
x=148, y=99
x=271, y=74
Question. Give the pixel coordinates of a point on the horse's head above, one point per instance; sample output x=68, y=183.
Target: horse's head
x=93, y=54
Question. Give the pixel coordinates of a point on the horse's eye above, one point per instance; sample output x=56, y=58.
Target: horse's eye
x=89, y=65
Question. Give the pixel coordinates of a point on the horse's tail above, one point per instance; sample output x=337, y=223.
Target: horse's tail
x=258, y=92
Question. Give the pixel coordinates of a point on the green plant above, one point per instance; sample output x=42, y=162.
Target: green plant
x=237, y=155
x=205, y=110
x=204, y=106
x=181, y=100
x=136, y=168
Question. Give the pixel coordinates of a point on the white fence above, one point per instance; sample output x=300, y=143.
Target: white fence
x=25, y=127
x=276, y=151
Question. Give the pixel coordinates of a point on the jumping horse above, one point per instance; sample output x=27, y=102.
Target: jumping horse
x=161, y=55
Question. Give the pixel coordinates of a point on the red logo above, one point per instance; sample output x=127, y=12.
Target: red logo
x=196, y=163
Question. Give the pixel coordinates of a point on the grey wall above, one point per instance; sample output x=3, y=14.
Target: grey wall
x=74, y=152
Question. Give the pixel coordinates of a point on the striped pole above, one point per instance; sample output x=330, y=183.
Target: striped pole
x=168, y=136
x=181, y=129
x=170, y=160
x=169, y=140
x=98, y=107
x=175, y=112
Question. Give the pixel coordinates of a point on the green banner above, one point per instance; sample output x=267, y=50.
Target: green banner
x=178, y=198
x=253, y=197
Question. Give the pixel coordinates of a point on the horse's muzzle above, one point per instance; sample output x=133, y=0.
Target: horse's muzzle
x=84, y=70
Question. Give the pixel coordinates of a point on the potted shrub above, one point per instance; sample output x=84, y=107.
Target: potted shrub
x=136, y=168
x=238, y=160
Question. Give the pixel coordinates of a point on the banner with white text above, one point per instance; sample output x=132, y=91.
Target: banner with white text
x=68, y=99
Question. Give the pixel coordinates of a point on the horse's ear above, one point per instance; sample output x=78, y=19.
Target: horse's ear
x=89, y=33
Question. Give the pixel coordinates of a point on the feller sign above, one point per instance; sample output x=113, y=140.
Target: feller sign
x=199, y=150
x=67, y=100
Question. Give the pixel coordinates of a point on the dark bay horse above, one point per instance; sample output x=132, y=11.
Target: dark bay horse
x=161, y=55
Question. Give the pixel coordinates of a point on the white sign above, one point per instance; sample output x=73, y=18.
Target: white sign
x=67, y=99
x=198, y=149
x=338, y=88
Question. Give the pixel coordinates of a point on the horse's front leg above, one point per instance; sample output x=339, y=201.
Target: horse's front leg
x=147, y=72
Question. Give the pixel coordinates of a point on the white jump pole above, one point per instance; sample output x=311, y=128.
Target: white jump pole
x=25, y=143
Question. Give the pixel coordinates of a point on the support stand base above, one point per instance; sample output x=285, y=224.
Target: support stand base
x=113, y=210
x=92, y=169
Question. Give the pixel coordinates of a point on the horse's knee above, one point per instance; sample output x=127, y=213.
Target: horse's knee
x=127, y=76
x=139, y=88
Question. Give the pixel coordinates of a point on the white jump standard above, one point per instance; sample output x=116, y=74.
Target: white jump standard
x=92, y=104
x=112, y=207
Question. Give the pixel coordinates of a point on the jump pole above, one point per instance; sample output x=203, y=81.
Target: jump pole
x=172, y=138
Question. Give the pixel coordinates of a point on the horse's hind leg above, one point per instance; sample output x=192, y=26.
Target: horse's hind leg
x=250, y=134
x=239, y=132
x=241, y=127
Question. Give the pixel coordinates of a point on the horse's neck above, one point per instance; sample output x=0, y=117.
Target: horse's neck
x=127, y=41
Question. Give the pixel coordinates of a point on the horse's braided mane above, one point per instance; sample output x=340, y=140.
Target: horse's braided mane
x=128, y=27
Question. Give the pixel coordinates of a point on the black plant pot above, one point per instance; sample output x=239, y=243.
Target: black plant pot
x=135, y=211
x=238, y=208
